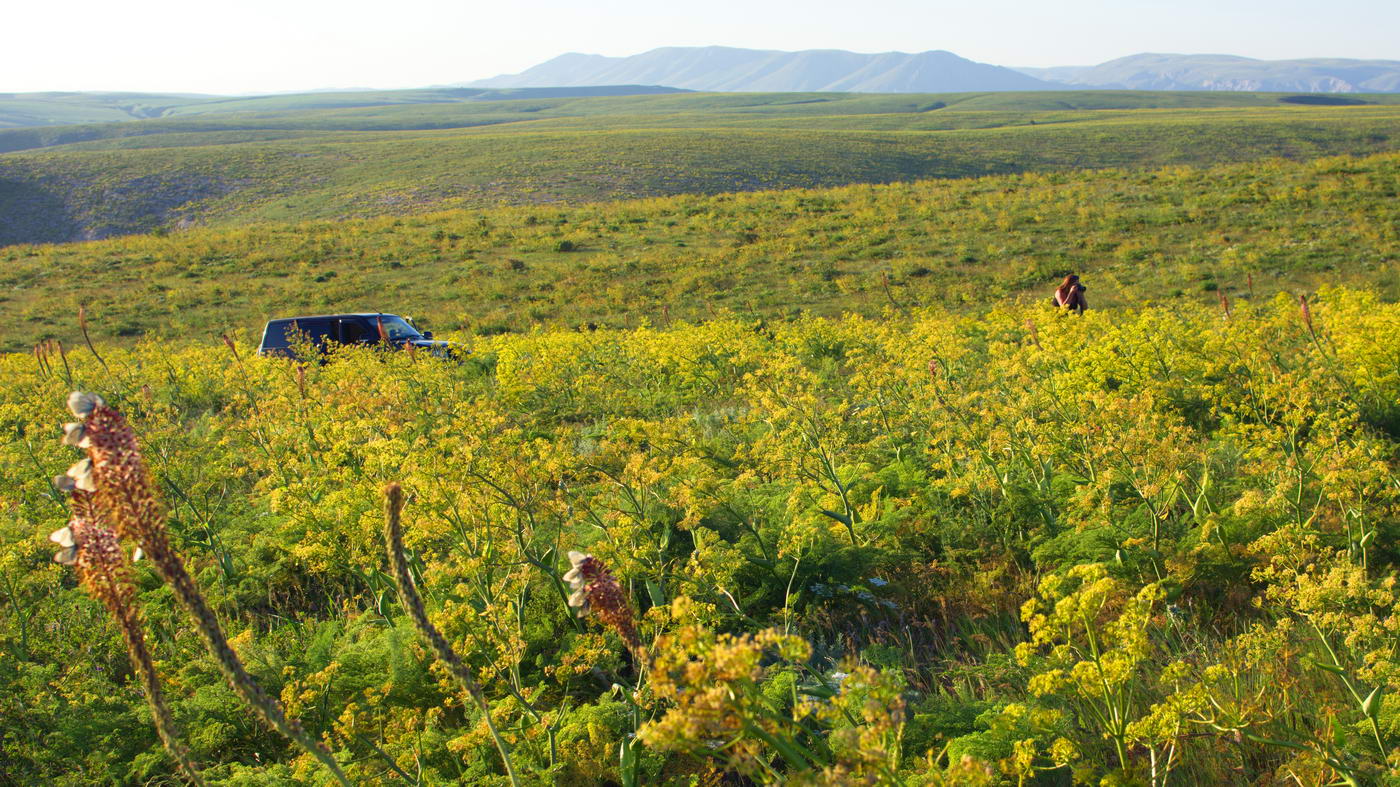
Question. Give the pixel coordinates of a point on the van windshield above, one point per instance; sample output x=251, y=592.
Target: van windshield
x=398, y=329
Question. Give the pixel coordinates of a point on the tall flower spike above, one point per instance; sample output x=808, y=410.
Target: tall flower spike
x=92, y=548
x=124, y=497
x=597, y=591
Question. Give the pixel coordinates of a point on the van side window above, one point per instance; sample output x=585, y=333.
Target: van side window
x=275, y=335
x=352, y=331
x=315, y=330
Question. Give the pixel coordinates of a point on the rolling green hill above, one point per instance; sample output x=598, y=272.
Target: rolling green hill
x=291, y=164
x=47, y=109
x=882, y=548
x=601, y=107
x=1180, y=232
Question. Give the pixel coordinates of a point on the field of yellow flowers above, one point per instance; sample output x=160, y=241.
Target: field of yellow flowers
x=1148, y=545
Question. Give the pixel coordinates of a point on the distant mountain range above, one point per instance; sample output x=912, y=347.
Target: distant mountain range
x=726, y=69
x=1230, y=72
x=719, y=68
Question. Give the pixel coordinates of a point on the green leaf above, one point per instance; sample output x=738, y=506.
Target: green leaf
x=627, y=763
x=657, y=595
x=1332, y=668
x=788, y=749
x=1371, y=706
x=842, y=518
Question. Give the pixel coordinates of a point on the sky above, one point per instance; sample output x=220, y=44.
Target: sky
x=263, y=46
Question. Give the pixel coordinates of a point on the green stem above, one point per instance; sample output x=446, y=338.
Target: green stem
x=413, y=603
x=170, y=567
x=22, y=616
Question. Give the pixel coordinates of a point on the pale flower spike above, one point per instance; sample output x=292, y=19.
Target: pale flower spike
x=101, y=569
x=82, y=404
x=573, y=577
x=579, y=598
x=598, y=593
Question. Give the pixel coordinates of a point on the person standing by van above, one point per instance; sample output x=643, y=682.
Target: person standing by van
x=1070, y=295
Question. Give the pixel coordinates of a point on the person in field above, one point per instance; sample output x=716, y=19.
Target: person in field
x=1070, y=294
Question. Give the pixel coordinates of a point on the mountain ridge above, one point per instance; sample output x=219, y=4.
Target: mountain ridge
x=1168, y=71
x=731, y=69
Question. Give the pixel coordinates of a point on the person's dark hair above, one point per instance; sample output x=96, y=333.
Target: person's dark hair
x=1062, y=292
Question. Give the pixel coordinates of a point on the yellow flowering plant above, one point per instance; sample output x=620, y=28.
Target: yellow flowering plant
x=1199, y=507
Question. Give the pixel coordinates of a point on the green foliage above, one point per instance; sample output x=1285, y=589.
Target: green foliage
x=823, y=527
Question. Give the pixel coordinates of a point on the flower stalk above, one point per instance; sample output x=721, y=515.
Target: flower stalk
x=123, y=495
x=94, y=551
x=413, y=603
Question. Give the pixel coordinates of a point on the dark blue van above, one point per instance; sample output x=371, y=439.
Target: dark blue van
x=324, y=330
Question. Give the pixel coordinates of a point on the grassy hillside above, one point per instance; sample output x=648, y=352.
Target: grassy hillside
x=339, y=163
x=1177, y=232
x=467, y=107
x=47, y=109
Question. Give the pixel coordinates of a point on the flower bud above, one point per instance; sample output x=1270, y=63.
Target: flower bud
x=68, y=555
x=75, y=434
x=82, y=404
x=81, y=473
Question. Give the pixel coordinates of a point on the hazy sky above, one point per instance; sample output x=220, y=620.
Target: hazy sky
x=283, y=45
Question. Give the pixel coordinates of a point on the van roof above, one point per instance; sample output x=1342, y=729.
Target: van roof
x=332, y=316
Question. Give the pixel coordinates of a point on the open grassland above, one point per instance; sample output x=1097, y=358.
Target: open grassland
x=62, y=183
x=1184, y=233
x=1148, y=546
x=466, y=107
